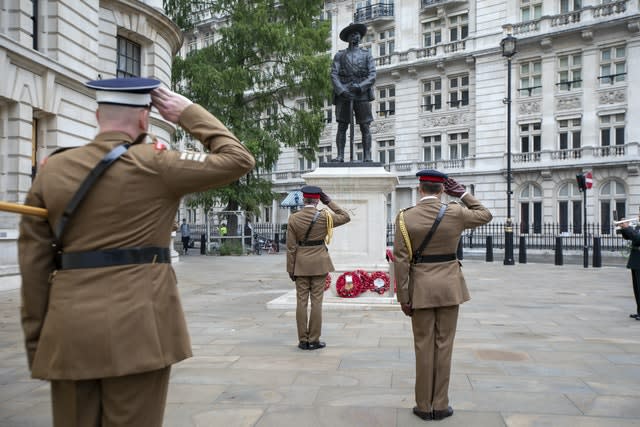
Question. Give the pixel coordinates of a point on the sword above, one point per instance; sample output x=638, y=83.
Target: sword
x=351, y=130
x=23, y=209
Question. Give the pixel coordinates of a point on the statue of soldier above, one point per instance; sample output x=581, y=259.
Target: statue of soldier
x=353, y=74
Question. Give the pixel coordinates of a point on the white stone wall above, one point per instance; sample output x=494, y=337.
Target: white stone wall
x=76, y=43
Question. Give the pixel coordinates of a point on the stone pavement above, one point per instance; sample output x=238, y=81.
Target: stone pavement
x=538, y=345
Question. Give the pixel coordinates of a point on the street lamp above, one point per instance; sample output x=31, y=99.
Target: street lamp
x=508, y=45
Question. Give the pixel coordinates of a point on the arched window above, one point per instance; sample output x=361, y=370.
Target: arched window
x=530, y=198
x=570, y=208
x=613, y=204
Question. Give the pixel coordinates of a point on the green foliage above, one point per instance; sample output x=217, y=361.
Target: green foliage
x=268, y=52
x=231, y=248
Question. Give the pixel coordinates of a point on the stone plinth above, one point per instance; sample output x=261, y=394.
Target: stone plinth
x=362, y=192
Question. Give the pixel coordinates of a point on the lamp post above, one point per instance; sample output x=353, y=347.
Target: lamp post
x=508, y=45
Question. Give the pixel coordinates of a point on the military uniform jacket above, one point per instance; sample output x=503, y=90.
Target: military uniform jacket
x=353, y=66
x=311, y=260
x=119, y=320
x=633, y=235
x=440, y=284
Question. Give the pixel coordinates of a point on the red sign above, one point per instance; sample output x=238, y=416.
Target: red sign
x=588, y=179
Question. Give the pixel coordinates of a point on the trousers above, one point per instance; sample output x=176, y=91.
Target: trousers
x=136, y=400
x=309, y=287
x=434, y=330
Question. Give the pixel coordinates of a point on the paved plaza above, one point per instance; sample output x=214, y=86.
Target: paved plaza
x=537, y=345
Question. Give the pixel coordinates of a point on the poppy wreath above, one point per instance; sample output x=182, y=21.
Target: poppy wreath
x=349, y=288
x=365, y=280
x=327, y=282
x=380, y=282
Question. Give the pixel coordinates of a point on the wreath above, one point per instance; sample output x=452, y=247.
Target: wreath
x=379, y=282
x=349, y=285
x=365, y=280
x=327, y=282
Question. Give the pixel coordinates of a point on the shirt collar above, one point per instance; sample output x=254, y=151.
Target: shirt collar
x=430, y=197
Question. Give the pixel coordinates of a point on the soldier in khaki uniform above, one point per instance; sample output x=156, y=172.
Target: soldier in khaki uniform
x=102, y=318
x=431, y=285
x=308, y=261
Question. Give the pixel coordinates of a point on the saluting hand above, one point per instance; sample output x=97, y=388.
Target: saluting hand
x=169, y=104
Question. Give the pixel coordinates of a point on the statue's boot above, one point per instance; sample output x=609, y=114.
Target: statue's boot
x=341, y=140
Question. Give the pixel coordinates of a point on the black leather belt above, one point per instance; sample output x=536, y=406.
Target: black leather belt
x=435, y=258
x=311, y=243
x=113, y=257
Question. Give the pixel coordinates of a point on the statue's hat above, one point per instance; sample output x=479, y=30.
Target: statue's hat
x=352, y=28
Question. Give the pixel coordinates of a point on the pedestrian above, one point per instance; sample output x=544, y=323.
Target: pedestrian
x=353, y=74
x=632, y=233
x=309, y=232
x=431, y=285
x=101, y=313
x=185, y=235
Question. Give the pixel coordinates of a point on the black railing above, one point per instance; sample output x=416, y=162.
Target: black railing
x=374, y=11
x=538, y=236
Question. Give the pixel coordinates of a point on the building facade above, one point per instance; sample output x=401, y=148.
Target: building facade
x=48, y=50
x=441, y=102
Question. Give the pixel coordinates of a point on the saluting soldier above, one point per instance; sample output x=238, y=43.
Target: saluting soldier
x=431, y=285
x=100, y=311
x=309, y=232
x=353, y=74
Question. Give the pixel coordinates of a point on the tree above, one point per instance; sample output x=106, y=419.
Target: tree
x=265, y=55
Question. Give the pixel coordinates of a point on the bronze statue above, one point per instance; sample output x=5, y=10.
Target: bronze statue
x=353, y=74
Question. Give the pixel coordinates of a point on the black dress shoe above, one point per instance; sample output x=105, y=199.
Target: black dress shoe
x=316, y=345
x=440, y=415
x=634, y=316
x=427, y=416
x=303, y=345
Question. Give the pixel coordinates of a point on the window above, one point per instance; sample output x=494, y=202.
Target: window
x=432, y=94
x=612, y=204
x=458, y=27
x=432, y=148
x=386, y=151
x=128, y=58
x=304, y=164
x=386, y=42
x=530, y=78
x=358, y=151
x=431, y=33
x=328, y=111
x=458, y=145
x=386, y=101
x=569, y=136
x=530, y=140
x=324, y=154
x=570, y=208
x=367, y=42
x=612, y=65
x=208, y=39
x=530, y=9
x=270, y=116
x=34, y=21
x=569, y=72
x=612, y=133
x=570, y=5
x=458, y=91
x=531, y=209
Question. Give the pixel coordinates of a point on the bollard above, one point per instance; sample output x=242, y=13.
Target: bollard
x=522, y=251
x=276, y=242
x=203, y=244
x=597, y=252
x=489, y=256
x=459, y=253
x=559, y=251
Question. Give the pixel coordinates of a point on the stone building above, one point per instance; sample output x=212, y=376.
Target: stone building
x=48, y=49
x=441, y=102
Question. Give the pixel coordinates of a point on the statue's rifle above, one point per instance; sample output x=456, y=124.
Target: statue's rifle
x=351, y=133
x=23, y=209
